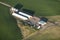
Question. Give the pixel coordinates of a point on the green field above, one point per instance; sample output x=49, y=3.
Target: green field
x=41, y=7
x=8, y=27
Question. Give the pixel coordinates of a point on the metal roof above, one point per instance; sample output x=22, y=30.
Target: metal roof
x=19, y=16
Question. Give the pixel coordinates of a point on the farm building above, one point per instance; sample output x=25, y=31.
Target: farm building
x=28, y=17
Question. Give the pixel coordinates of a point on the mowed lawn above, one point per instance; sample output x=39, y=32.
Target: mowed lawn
x=8, y=27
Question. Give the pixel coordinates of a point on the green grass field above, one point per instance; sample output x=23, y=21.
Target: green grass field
x=41, y=7
x=8, y=27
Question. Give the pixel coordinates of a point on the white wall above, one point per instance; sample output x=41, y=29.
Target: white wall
x=19, y=16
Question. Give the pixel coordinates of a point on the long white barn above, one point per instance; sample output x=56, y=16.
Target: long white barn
x=21, y=15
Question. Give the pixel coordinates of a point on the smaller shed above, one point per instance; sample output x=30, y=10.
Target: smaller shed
x=43, y=19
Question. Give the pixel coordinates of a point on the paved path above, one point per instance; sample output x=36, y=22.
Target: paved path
x=5, y=4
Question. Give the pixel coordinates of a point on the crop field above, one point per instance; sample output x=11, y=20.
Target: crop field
x=8, y=25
